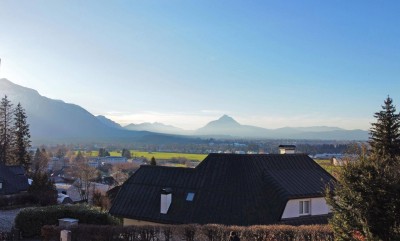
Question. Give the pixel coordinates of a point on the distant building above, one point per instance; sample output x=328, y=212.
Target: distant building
x=97, y=161
x=228, y=189
x=344, y=160
x=287, y=149
x=327, y=156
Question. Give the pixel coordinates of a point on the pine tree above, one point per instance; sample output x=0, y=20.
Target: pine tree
x=366, y=200
x=21, y=139
x=385, y=135
x=40, y=161
x=6, y=132
x=43, y=189
x=103, y=152
x=80, y=158
x=126, y=153
x=153, y=161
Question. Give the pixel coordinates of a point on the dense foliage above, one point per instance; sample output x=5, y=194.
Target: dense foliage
x=366, y=200
x=210, y=232
x=14, y=134
x=126, y=153
x=30, y=220
x=16, y=200
x=42, y=189
x=153, y=161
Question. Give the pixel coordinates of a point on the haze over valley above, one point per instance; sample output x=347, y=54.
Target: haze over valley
x=56, y=121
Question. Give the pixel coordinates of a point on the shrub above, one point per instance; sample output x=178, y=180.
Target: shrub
x=43, y=190
x=192, y=232
x=16, y=199
x=30, y=220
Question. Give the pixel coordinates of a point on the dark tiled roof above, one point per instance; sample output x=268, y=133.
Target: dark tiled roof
x=229, y=189
x=13, y=179
x=287, y=146
x=17, y=170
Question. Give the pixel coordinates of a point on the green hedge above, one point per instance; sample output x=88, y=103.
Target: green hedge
x=191, y=232
x=15, y=200
x=30, y=220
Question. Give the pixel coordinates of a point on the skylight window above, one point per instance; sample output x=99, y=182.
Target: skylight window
x=190, y=196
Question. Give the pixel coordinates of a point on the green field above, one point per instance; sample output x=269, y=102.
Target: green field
x=157, y=155
x=326, y=164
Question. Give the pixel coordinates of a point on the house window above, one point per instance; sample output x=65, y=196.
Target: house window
x=304, y=207
x=190, y=196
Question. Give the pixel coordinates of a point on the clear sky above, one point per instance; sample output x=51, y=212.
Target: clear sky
x=181, y=62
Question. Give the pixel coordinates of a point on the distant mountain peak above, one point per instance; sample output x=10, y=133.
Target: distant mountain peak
x=227, y=120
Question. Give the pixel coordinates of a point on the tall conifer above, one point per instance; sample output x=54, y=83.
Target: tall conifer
x=385, y=135
x=21, y=138
x=6, y=130
x=366, y=199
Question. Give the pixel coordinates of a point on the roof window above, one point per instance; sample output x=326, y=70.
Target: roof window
x=190, y=196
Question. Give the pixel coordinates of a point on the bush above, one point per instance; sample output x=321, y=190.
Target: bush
x=16, y=199
x=31, y=220
x=43, y=190
x=192, y=232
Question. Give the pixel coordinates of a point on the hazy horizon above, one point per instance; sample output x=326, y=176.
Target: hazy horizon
x=264, y=63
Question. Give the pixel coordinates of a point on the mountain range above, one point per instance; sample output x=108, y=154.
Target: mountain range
x=54, y=121
x=227, y=127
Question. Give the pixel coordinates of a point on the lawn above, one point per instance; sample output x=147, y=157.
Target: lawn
x=328, y=166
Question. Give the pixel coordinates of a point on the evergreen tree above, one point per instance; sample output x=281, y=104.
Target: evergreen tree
x=6, y=133
x=385, y=135
x=40, y=161
x=42, y=189
x=126, y=153
x=153, y=161
x=366, y=200
x=103, y=152
x=80, y=158
x=21, y=139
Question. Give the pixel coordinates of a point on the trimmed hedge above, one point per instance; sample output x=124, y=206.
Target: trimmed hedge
x=191, y=232
x=15, y=199
x=30, y=220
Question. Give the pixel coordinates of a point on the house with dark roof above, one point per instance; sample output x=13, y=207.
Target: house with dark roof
x=230, y=189
x=12, y=180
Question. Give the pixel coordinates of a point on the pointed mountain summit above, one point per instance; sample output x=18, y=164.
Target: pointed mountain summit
x=224, y=121
x=226, y=125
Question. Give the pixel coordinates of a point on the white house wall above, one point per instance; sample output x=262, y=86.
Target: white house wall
x=318, y=207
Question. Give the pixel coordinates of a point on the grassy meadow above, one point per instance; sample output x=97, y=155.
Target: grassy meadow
x=328, y=166
x=157, y=155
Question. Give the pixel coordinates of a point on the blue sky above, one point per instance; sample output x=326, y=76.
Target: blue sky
x=265, y=63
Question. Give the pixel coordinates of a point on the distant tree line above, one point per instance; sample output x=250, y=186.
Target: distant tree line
x=14, y=135
x=313, y=149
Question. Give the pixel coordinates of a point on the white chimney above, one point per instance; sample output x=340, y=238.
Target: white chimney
x=287, y=149
x=166, y=199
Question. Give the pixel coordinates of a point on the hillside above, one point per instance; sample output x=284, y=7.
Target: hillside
x=54, y=121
